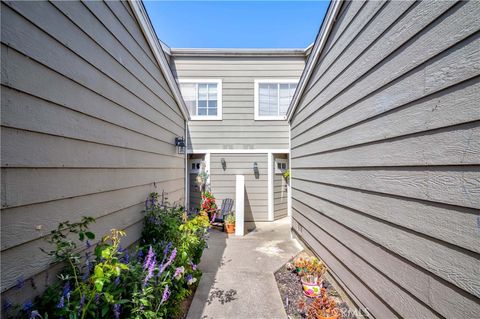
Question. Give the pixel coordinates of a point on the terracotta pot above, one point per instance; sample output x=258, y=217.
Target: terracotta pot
x=311, y=289
x=229, y=228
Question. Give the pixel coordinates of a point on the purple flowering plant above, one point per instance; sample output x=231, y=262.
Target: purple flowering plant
x=104, y=280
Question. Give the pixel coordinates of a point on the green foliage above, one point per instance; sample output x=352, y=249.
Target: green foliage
x=230, y=219
x=103, y=281
x=65, y=246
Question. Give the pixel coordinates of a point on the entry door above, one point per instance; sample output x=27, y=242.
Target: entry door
x=194, y=163
x=280, y=187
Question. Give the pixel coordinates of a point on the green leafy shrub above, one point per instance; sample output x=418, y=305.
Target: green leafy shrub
x=107, y=281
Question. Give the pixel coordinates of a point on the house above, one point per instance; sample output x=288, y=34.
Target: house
x=382, y=136
x=385, y=153
x=237, y=100
x=90, y=113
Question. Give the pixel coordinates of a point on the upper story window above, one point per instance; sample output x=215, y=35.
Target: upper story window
x=203, y=98
x=272, y=98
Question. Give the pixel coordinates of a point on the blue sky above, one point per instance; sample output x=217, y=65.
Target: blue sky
x=236, y=24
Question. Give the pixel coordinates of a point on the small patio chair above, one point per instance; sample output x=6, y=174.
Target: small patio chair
x=218, y=218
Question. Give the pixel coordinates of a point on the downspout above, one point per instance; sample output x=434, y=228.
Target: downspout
x=187, y=186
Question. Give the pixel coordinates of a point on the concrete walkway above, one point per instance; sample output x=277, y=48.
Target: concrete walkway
x=238, y=273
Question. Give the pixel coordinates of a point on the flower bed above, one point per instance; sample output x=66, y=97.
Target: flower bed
x=296, y=304
x=108, y=281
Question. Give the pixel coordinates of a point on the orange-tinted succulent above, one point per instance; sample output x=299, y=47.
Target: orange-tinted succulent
x=322, y=307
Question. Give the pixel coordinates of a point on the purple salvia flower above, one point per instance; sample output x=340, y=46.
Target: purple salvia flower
x=66, y=289
x=27, y=306
x=150, y=269
x=20, y=283
x=166, y=294
x=80, y=306
x=148, y=259
x=7, y=305
x=87, y=243
x=169, y=261
x=116, y=311
x=61, y=303
x=166, y=250
x=96, y=298
x=117, y=281
x=194, y=267
x=125, y=259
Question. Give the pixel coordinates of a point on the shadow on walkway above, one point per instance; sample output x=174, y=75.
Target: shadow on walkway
x=238, y=273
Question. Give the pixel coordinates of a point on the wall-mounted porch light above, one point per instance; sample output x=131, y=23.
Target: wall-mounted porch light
x=180, y=144
x=255, y=170
x=224, y=163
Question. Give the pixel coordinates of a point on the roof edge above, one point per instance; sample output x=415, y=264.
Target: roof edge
x=158, y=52
x=214, y=52
x=317, y=49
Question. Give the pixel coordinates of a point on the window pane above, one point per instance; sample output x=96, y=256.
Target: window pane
x=189, y=95
x=286, y=94
x=285, y=98
x=212, y=91
x=202, y=103
x=268, y=99
x=202, y=92
x=201, y=98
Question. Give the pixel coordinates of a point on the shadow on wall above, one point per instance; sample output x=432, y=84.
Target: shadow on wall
x=249, y=220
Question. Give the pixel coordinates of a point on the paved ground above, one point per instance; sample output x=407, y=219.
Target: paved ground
x=238, y=280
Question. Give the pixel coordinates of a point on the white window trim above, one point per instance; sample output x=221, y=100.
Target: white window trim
x=217, y=117
x=257, y=82
x=282, y=161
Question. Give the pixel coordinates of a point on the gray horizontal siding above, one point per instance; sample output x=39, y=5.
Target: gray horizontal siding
x=256, y=189
x=88, y=125
x=386, y=155
x=238, y=129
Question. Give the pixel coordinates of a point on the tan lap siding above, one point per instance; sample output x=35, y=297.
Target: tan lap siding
x=386, y=154
x=88, y=127
x=256, y=187
x=238, y=129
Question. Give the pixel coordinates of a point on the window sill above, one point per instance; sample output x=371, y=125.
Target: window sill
x=270, y=118
x=205, y=118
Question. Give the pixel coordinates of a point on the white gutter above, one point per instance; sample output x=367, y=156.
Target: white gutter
x=318, y=46
x=158, y=51
x=204, y=52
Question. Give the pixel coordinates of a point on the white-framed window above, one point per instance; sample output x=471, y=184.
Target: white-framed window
x=203, y=98
x=281, y=165
x=272, y=98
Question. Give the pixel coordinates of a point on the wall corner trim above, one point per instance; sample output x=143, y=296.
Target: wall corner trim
x=318, y=46
x=157, y=49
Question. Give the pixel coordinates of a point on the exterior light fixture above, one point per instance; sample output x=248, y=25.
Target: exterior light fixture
x=224, y=163
x=180, y=144
x=255, y=170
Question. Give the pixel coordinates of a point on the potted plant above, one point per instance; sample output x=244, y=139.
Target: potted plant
x=311, y=285
x=311, y=270
x=300, y=264
x=230, y=223
x=208, y=204
x=323, y=307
